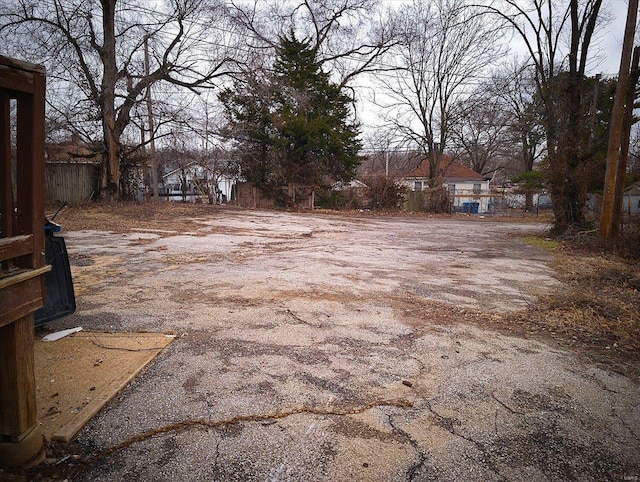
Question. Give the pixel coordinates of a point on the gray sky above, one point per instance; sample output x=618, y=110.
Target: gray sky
x=612, y=39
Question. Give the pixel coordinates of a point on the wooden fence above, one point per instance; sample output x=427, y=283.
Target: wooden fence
x=250, y=196
x=74, y=182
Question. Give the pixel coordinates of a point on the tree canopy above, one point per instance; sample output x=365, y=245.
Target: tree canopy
x=97, y=53
x=292, y=125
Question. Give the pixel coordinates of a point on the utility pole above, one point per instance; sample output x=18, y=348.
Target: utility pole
x=592, y=110
x=386, y=163
x=152, y=134
x=626, y=138
x=609, y=224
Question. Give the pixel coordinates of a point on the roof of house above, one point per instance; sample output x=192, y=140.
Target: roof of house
x=187, y=167
x=451, y=171
x=353, y=184
x=73, y=150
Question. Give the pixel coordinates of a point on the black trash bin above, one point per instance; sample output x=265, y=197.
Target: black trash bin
x=60, y=299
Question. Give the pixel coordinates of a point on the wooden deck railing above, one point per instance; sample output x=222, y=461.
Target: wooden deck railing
x=22, y=263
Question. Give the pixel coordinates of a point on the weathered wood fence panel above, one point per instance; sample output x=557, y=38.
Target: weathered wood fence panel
x=414, y=201
x=73, y=182
x=250, y=196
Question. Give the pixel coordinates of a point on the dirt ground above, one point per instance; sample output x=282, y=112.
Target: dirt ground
x=332, y=347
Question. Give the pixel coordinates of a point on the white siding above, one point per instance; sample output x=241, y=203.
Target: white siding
x=471, y=196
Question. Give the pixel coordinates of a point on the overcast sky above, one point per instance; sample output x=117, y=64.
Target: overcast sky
x=612, y=39
x=606, y=47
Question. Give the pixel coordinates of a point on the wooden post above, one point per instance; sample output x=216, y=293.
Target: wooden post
x=22, y=264
x=609, y=226
x=623, y=159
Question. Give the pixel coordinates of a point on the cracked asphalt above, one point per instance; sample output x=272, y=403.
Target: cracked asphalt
x=313, y=348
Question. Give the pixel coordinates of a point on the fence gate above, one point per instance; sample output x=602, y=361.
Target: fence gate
x=22, y=265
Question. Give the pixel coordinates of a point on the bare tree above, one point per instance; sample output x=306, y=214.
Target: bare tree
x=500, y=131
x=173, y=110
x=482, y=138
x=544, y=26
x=348, y=36
x=444, y=45
x=214, y=160
x=514, y=84
x=95, y=49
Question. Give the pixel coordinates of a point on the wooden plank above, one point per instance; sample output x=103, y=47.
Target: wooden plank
x=16, y=80
x=26, y=308
x=23, y=215
x=25, y=167
x=16, y=246
x=22, y=294
x=85, y=386
x=23, y=275
x=19, y=76
x=21, y=65
x=30, y=171
x=37, y=136
x=18, y=407
x=6, y=185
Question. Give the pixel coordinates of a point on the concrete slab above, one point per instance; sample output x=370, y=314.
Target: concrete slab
x=277, y=312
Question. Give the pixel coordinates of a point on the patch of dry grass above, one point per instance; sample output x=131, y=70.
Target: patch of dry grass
x=596, y=306
x=540, y=242
x=598, y=301
x=127, y=216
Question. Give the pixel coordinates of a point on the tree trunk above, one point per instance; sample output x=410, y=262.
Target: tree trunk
x=568, y=186
x=110, y=178
x=557, y=174
x=574, y=197
x=528, y=201
x=527, y=161
x=152, y=133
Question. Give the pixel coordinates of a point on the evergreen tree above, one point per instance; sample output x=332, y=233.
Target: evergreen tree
x=294, y=125
x=248, y=109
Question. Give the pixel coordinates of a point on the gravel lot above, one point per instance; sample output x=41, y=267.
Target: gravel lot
x=323, y=347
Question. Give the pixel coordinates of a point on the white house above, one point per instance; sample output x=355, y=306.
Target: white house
x=631, y=200
x=348, y=186
x=192, y=181
x=468, y=191
x=517, y=200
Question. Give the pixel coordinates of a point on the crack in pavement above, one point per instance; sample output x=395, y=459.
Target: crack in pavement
x=447, y=424
x=507, y=407
x=221, y=424
x=422, y=456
